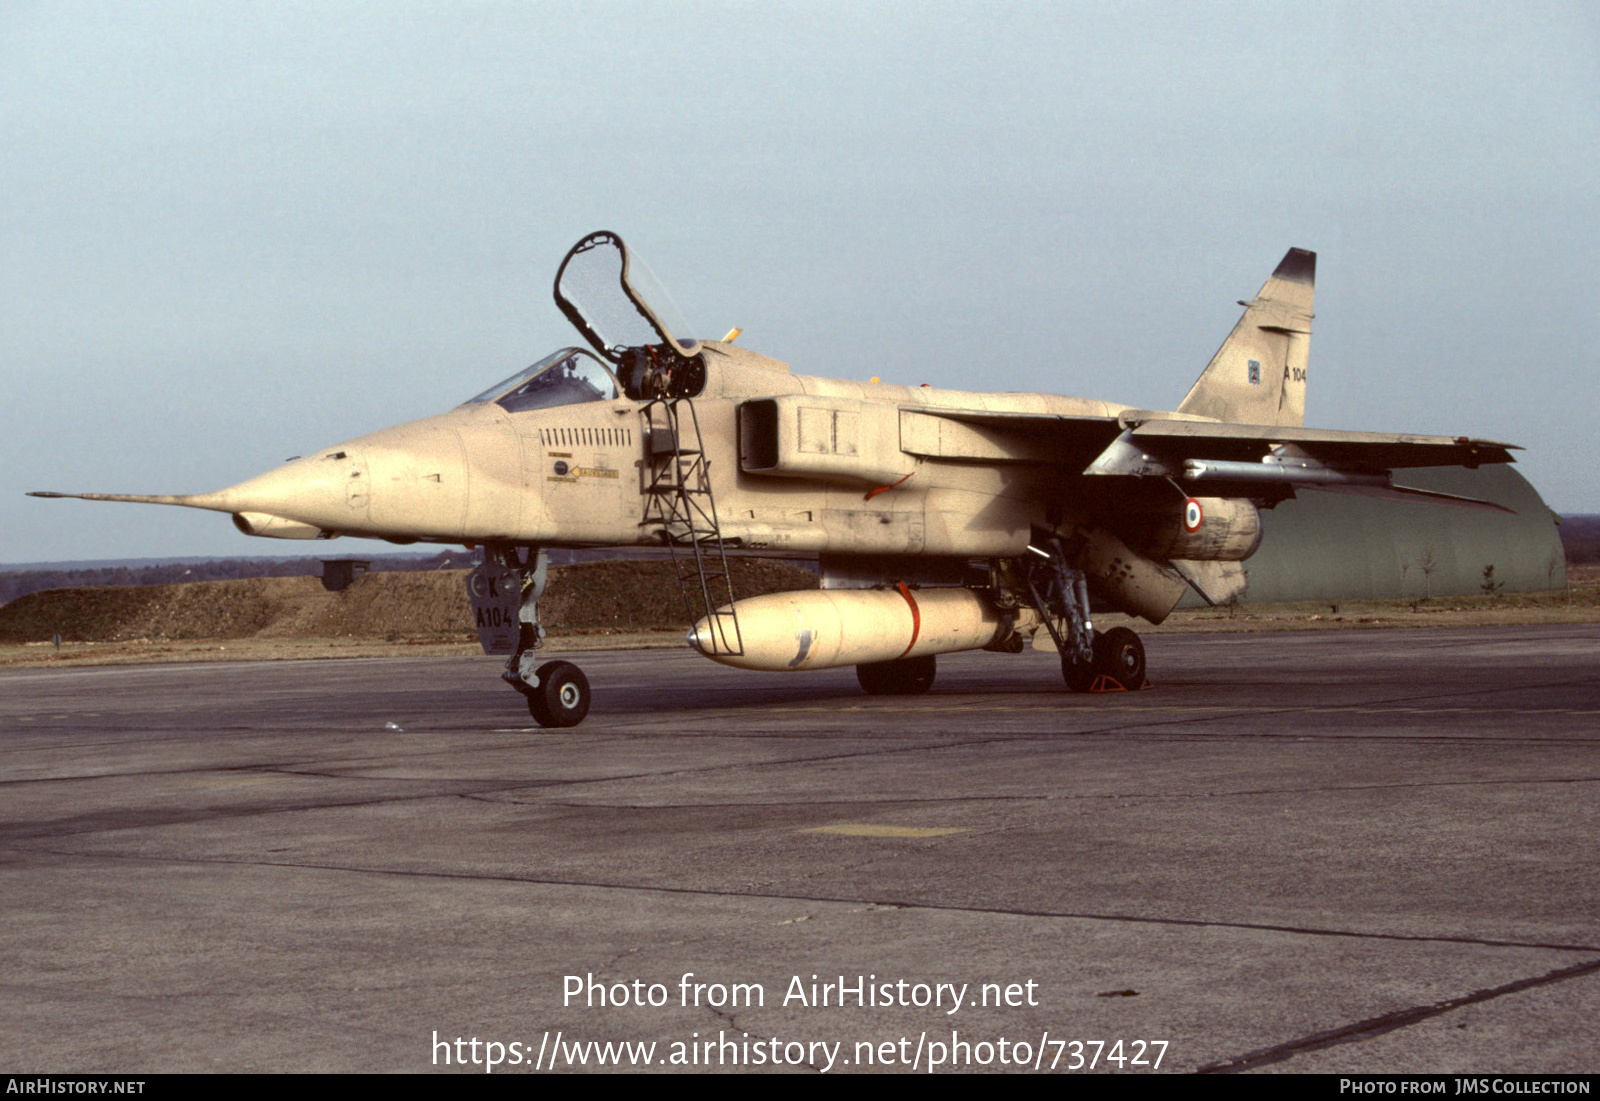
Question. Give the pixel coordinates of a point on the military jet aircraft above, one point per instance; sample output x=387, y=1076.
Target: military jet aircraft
x=941, y=520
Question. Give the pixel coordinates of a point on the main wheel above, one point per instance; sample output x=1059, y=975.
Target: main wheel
x=905, y=677
x=1119, y=654
x=561, y=698
x=1079, y=675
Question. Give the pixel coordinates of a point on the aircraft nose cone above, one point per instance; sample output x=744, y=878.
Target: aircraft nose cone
x=330, y=490
x=454, y=477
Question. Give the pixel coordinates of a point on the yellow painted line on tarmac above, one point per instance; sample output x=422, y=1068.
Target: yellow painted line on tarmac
x=863, y=830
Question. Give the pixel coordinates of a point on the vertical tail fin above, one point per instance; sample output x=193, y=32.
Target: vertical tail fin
x=1258, y=376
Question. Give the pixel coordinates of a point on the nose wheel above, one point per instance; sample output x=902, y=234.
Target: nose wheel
x=558, y=694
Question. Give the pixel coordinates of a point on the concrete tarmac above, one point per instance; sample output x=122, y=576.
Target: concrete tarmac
x=1354, y=851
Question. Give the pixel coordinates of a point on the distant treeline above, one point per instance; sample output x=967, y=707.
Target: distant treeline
x=1580, y=538
x=22, y=582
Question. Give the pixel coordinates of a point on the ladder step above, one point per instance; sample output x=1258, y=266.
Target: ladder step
x=679, y=477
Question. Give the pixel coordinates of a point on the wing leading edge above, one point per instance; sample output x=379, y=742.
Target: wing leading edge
x=1270, y=462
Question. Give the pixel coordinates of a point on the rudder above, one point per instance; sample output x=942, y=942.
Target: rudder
x=1258, y=376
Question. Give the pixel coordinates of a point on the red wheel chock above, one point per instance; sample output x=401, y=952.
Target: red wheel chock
x=1105, y=682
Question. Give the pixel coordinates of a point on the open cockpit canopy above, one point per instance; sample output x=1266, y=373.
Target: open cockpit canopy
x=616, y=302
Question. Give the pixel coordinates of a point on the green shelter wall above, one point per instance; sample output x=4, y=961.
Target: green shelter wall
x=1338, y=546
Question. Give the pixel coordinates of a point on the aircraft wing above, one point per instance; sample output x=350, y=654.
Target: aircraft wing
x=1264, y=462
x=1269, y=462
x=1255, y=442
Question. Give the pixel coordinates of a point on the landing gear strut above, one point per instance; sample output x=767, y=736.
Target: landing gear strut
x=1061, y=596
x=557, y=691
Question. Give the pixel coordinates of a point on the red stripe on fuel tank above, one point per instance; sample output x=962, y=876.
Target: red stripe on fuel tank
x=916, y=618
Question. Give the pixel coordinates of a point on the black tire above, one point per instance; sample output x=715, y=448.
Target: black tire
x=561, y=698
x=904, y=677
x=1079, y=675
x=1119, y=654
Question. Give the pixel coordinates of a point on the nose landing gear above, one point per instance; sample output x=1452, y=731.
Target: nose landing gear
x=557, y=691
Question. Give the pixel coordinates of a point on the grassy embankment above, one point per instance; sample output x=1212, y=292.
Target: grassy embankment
x=589, y=606
x=599, y=605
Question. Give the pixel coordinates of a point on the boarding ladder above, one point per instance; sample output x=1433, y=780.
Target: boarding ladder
x=680, y=506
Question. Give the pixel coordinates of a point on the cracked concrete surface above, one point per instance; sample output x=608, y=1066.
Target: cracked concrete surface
x=1347, y=852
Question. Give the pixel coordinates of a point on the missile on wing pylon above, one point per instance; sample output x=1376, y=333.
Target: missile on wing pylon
x=825, y=628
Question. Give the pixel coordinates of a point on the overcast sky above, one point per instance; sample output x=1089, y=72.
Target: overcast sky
x=232, y=233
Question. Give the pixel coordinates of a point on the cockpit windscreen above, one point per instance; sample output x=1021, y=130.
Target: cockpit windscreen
x=568, y=377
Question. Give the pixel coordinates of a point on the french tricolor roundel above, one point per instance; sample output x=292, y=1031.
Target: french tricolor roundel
x=1193, y=516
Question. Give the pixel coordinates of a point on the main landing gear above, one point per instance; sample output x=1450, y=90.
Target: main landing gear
x=1118, y=659
x=557, y=691
x=1091, y=661
x=904, y=677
